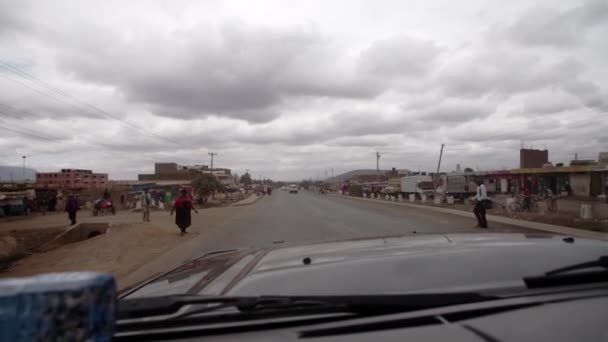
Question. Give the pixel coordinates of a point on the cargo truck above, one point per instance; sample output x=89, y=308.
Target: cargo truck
x=417, y=185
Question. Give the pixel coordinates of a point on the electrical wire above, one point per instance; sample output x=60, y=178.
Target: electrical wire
x=82, y=103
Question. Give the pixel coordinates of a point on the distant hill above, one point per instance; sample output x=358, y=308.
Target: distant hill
x=350, y=174
x=16, y=173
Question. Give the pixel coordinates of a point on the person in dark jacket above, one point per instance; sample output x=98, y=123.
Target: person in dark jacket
x=182, y=206
x=72, y=207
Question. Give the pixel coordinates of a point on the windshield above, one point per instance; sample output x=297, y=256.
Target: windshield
x=355, y=142
x=426, y=185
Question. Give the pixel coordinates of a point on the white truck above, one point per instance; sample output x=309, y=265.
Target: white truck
x=417, y=185
x=454, y=185
x=293, y=189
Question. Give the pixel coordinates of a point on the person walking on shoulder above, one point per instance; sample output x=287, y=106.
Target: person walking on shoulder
x=147, y=201
x=182, y=206
x=72, y=207
x=481, y=201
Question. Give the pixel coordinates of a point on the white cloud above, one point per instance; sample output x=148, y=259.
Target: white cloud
x=292, y=92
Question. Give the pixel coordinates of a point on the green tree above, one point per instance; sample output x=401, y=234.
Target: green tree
x=205, y=185
x=245, y=179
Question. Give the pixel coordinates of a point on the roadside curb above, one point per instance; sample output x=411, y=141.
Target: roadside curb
x=247, y=201
x=495, y=218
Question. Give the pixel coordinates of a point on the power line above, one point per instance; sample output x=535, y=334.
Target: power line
x=32, y=135
x=17, y=110
x=85, y=146
x=55, y=90
x=59, y=140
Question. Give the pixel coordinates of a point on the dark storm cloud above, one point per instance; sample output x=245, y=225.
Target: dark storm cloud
x=233, y=71
x=506, y=73
x=399, y=56
x=561, y=28
x=349, y=123
x=500, y=72
x=454, y=111
x=12, y=18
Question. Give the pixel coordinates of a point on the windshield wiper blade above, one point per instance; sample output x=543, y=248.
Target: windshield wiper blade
x=601, y=262
x=169, y=307
x=166, y=305
x=563, y=276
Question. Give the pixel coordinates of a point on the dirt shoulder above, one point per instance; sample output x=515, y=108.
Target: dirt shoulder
x=122, y=250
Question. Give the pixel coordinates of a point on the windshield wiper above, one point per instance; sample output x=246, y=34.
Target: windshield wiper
x=173, y=307
x=564, y=275
x=601, y=262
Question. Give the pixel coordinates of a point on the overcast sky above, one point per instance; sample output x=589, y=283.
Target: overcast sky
x=290, y=92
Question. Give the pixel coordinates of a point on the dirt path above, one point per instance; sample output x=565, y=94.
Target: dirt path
x=122, y=250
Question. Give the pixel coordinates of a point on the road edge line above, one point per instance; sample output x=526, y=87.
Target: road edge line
x=495, y=218
x=240, y=203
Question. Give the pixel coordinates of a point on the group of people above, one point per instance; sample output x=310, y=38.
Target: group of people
x=182, y=207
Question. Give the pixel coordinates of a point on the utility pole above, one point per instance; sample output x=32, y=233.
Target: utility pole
x=212, y=154
x=440, y=155
x=378, y=155
x=23, y=170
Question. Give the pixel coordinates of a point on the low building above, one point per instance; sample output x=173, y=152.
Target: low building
x=175, y=172
x=580, y=180
x=529, y=158
x=72, y=179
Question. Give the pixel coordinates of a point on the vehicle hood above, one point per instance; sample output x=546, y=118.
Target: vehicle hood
x=374, y=266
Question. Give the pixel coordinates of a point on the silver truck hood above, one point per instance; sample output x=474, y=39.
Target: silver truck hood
x=374, y=266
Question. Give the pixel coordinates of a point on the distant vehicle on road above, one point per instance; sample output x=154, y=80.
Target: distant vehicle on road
x=418, y=185
x=454, y=185
x=293, y=189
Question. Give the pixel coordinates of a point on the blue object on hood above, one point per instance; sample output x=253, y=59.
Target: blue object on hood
x=73, y=306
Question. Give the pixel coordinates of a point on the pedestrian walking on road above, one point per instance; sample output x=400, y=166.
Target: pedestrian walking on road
x=42, y=205
x=147, y=201
x=182, y=206
x=481, y=198
x=527, y=199
x=72, y=207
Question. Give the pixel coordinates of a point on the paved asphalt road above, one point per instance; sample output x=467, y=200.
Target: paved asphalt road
x=302, y=218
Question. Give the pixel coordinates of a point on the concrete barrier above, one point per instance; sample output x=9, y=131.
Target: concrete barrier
x=586, y=213
x=450, y=199
x=412, y=198
x=423, y=198
x=600, y=211
x=400, y=198
x=78, y=232
x=437, y=200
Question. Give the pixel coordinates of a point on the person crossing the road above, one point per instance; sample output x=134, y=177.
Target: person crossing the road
x=183, y=206
x=147, y=201
x=72, y=207
x=481, y=202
